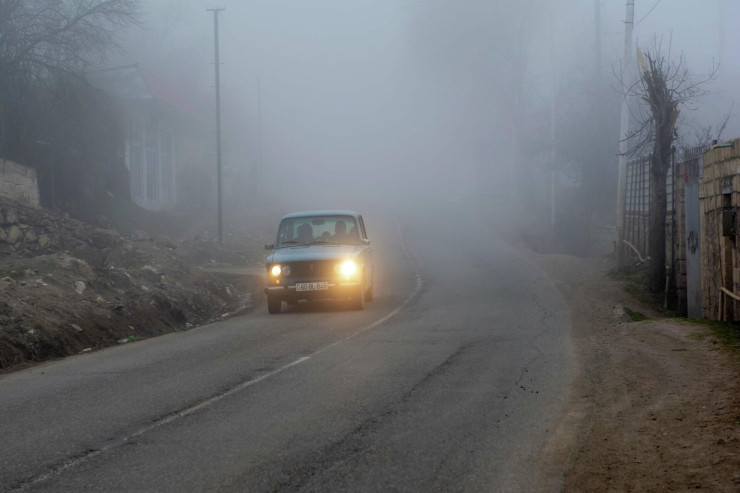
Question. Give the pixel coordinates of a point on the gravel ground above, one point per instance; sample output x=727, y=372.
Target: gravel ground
x=656, y=403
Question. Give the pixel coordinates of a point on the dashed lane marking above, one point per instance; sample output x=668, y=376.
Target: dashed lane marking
x=70, y=464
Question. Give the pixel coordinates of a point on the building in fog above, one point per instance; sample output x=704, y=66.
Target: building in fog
x=166, y=141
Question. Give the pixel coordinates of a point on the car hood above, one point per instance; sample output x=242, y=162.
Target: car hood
x=313, y=252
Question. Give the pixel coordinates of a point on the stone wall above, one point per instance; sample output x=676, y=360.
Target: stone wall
x=31, y=231
x=18, y=182
x=719, y=201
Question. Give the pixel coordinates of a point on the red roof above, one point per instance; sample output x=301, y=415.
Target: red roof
x=168, y=94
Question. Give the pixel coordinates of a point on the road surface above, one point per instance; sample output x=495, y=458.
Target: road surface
x=447, y=381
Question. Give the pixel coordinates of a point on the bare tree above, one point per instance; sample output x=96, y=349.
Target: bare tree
x=703, y=136
x=664, y=86
x=39, y=36
x=41, y=40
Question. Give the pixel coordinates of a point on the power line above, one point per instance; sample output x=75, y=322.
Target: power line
x=649, y=12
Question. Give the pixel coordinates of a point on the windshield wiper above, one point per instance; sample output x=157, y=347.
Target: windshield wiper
x=291, y=243
x=324, y=242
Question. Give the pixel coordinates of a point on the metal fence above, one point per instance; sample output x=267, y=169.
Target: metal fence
x=637, y=200
x=637, y=207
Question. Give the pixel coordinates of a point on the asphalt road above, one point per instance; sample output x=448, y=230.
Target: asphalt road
x=448, y=381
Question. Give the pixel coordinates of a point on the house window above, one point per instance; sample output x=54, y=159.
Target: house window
x=152, y=161
x=135, y=164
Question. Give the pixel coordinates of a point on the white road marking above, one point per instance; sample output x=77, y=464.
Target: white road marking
x=234, y=390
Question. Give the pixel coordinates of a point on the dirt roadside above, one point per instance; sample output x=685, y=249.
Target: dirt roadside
x=68, y=286
x=655, y=405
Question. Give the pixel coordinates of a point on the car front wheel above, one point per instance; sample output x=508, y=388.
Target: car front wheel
x=274, y=304
x=358, y=300
x=370, y=293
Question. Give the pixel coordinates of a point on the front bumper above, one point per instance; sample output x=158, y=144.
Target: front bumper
x=336, y=290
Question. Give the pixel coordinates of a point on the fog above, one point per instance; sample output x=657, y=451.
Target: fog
x=362, y=99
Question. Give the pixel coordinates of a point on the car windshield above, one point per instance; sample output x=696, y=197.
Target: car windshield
x=318, y=230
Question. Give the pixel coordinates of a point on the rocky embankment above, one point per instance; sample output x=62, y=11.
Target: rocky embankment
x=68, y=286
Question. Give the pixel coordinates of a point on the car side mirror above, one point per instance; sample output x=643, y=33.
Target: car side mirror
x=271, y=246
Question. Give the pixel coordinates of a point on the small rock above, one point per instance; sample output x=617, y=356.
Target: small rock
x=139, y=235
x=103, y=239
x=14, y=234
x=86, y=350
x=80, y=287
x=165, y=242
x=76, y=327
x=11, y=216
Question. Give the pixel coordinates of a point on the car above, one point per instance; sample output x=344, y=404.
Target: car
x=320, y=255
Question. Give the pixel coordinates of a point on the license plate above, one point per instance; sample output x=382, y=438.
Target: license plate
x=311, y=286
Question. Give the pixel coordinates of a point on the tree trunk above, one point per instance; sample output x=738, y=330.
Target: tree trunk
x=656, y=239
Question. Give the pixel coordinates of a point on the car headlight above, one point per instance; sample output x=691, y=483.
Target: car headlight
x=348, y=268
x=276, y=270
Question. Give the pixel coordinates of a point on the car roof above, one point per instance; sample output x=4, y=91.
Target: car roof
x=321, y=213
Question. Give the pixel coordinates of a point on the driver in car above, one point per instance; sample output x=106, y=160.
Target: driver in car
x=305, y=233
x=340, y=232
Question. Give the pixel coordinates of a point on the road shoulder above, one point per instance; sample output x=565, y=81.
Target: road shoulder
x=655, y=404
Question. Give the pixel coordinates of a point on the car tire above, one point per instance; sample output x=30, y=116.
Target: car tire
x=370, y=293
x=358, y=300
x=274, y=304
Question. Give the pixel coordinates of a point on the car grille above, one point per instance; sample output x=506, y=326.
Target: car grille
x=313, y=268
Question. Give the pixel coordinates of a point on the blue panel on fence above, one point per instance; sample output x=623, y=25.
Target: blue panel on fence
x=693, y=251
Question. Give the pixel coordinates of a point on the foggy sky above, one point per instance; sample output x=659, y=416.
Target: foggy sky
x=370, y=96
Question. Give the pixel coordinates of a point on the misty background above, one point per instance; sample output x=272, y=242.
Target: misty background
x=331, y=103
x=392, y=96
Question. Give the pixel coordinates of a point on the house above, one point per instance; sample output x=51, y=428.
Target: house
x=166, y=141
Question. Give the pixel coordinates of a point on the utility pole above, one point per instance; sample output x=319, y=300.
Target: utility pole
x=218, y=121
x=259, y=123
x=597, y=40
x=553, y=112
x=624, y=131
x=721, y=33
